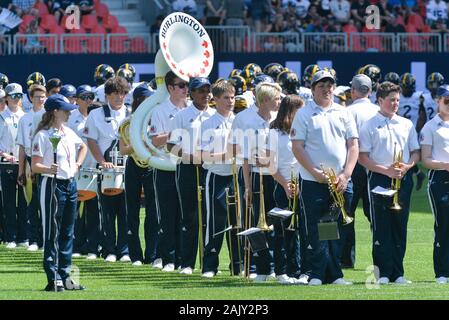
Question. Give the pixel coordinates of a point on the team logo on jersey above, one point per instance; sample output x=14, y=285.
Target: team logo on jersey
x=86, y=130
x=36, y=147
x=171, y=116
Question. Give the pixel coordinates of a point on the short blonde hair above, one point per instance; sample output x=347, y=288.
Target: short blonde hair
x=267, y=90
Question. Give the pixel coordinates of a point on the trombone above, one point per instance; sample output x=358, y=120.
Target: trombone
x=293, y=203
x=337, y=197
x=262, y=222
x=396, y=182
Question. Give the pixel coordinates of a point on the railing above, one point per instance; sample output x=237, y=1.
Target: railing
x=372, y=42
x=227, y=39
x=325, y=42
x=276, y=42
x=419, y=42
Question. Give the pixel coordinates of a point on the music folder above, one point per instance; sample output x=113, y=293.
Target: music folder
x=280, y=213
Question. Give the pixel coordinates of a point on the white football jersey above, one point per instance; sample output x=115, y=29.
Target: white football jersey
x=430, y=106
x=409, y=107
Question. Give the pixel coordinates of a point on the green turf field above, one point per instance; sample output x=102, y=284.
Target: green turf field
x=22, y=276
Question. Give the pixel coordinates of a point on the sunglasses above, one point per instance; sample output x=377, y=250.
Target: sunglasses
x=87, y=97
x=180, y=85
x=16, y=96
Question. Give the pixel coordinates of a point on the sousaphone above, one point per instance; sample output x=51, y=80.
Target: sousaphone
x=186, y=49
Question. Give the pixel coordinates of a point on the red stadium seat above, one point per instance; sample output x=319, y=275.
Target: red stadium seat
x=101, y=10
x=138, y=45
x=42, y=7
x=119, y=29
x=89, y=21
x=48, y=22
x=73, y=45
x=110, y=22
x=98, y=29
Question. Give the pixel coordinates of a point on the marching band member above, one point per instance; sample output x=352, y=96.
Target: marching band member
x=188, y=122
x=362, y=109
x=87, y=224
x=257, y=124
x=167, y=204
x=58, y=190
x=14, y=204
x=33, y=78
x=219, y=176
x=101, y=131
x=287, y=243
x=136, y=178
x=388, y=149
x=434, y=139
x=25, y=135
x=323, y=133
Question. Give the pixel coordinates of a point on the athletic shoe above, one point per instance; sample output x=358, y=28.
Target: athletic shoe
x=51, y=286
x=186, y=270
x=76, y=255
x=261, y=278
x=383, y=280
x=125, y=258
x=70, y=285
x=170, y=267
x=402, y=280
x=137, y=263
x=271, y=276
x=284, y=279
x=208, y=274
x=157, y=263
x=33, y=247
x=111, y=258
x=441, y=280
x=11, y=245
x=23, y=244
x=341, y=281
x=302, y=280
x=91, y=256
x=315, y=282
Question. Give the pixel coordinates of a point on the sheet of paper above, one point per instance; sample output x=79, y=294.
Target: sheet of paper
x=252, y=230
x=384, y=192
x=278, y=212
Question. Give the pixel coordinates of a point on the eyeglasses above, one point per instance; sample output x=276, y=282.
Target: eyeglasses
x=87, y=97
x=16, y=96
x=180, y=85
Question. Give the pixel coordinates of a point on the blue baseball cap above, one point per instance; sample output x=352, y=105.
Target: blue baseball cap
x=198, y=82
x=68, y=91
x=58, y=102
x=142, y=91
x=85, y=88
x=443, y=91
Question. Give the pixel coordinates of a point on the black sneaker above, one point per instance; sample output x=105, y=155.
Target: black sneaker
x=420, y=176
x=70, y=285
x=51, y=286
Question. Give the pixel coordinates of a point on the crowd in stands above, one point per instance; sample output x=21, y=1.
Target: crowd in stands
x=319, y=15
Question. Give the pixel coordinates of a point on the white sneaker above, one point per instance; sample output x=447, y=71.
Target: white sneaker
x=33, y=247
x=271, y=276
x=91, y=256
x=441, y=280
x=315, y=282
x=186, y=270
x=157, y=263
x=284, y=279
x=23, y=244
x=383, y=280
x=252, y=276
x=170, y=267
x=302, y=280
x=111, y=258
x=137, y=263
x=125, y=258
x=341, y=281
x=402, y=280
x=208, y=274
x=11, y=245
x=76, y=255
x=260, y=278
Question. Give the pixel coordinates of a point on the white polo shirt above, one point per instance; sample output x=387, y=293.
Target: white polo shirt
x=409, y=107
x=96, y=127
x=186, y=127
x=65, y=152
x=379, y=134
x=325, y=133
x=162, y=118
x=77, y=122
x=8, y=131
x=215, y=134
x=286, y=161
x=362, y=110
x=435, y=133
x=26, y=129
x=430, y=105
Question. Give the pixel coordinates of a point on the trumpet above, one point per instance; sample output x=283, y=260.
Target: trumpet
x=293, y=203
x=337, y=197
x=396, y=182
